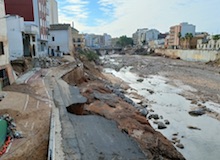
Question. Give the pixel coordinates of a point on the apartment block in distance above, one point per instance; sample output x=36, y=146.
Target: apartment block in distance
x=178, y=31
x=36, y=15
x=53, y=12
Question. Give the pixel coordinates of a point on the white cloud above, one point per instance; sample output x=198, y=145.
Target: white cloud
x=129, y=15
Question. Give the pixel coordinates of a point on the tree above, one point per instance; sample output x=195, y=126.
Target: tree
x=188, y=38
x=179, y=36
x=124, y=41
x=216, y=37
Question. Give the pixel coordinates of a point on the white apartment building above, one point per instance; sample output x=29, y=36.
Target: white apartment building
x=60, y=40
x=53, y=18
x=98, y=41
x=152, y=35
x=139, y=36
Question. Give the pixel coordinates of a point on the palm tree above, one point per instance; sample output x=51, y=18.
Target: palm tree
x=179, y=36
x=188, y=37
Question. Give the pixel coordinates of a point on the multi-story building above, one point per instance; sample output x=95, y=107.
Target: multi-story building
x=107, y=40
x=35, y=14
x=179, y=31
x=60, y=40
x=53, y=12
x=6, y=75
x=78, y=39
x=97, y=41
x=174, y=37
x=187, y=28
x=139, y=37
x=151, y=35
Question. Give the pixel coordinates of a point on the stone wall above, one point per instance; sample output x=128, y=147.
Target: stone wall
x=190, y=55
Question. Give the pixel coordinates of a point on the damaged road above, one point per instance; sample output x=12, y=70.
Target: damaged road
x=93, y=126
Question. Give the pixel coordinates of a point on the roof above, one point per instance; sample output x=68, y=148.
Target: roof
x=59, y=26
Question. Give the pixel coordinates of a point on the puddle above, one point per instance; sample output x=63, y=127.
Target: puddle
x=167, y=102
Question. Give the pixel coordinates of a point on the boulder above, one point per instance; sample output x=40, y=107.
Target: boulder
x=154, y=116
x=140, y=80
x=198, y=112
x=166, y=122
x=150, y=91
x=143, y=112
x=179, y=145
x=161, y=125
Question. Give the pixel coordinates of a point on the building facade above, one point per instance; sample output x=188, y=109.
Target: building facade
x=36, y=16
x=152, y=35
x=174, y=37
x=187, y=28
x=15, y=32
x=208, y=45
x=53, y=12
x=180, y=31
x=78, y=39
x=60, y=40
x=139, y=37
x=97, y=41
x=6, y=74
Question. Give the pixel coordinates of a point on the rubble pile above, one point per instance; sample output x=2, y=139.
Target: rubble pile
x=46, y=62
x=11, y=131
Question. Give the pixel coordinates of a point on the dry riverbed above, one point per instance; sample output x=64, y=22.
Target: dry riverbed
x=181, y=99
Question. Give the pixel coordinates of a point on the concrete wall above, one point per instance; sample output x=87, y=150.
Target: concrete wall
x=190, y=55
x=15, y=27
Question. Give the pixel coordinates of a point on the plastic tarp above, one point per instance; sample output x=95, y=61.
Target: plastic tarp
x=3, y=132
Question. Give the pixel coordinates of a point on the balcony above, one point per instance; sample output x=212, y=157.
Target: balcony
x=31, y=29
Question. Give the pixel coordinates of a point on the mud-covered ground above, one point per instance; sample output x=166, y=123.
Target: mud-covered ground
x=203, y=77
x=187, y=94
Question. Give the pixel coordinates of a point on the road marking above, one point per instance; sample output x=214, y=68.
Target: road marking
x=8, y=147
x=32, y=127
x=26, y=103
x=26, y=124
x=48, y=95
x=38, y=103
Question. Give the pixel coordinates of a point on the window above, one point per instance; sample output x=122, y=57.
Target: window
x=33, y=38
x=1, y=48
x=53, y=38
x=58, y=48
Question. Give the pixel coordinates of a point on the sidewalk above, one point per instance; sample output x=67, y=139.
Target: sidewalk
x=31, y=113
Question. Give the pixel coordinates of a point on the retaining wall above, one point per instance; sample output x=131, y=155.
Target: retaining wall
x=190, y=55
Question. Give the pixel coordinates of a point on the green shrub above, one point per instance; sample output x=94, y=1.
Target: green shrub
x=91, y=55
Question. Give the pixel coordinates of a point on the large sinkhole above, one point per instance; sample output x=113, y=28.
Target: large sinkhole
x=77, y=109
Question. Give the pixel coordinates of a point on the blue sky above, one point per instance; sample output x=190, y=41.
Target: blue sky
x=124, y=17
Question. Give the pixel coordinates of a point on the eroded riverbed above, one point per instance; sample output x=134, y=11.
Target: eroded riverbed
x=172, y=100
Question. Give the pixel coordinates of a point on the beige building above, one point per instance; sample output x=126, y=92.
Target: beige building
x=53, y=13
x=6, y=75
x=174, y=40
x=78, y=39
x=180, y=31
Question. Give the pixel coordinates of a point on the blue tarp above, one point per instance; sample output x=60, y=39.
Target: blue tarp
x=3, y=131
